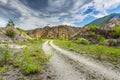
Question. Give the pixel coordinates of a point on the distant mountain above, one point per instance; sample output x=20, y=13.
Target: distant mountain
x=61, y=32
x=106, y=19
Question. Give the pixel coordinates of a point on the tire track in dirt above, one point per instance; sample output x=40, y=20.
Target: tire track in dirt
x=59, y=67
x=98, y=70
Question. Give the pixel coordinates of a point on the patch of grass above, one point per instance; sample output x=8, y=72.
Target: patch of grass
x=93, y=27
x=30, y=68
x=117, y=32
x=4, y=55
x=32, y=59
x=19, y=29
x=101, y=39
x=48, y=57
x=99, y=52
x=1, y=78
x=17, y=60
x=2, y=69
x=69, y=44
x=82, y=41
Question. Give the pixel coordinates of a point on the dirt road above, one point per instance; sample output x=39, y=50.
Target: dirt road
x=67, y=65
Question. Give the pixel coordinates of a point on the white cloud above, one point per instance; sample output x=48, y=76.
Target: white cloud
x=29, y=21
x=4, y=1
x=106, y=4
x=56, y=3
x=2, y=22
x=101, y=6
x=30, y=18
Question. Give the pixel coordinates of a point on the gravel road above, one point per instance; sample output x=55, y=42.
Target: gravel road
x=67, y=65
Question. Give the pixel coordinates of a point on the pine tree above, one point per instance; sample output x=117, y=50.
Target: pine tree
x=11, y=23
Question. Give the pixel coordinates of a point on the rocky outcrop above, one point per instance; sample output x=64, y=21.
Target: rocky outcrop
x=61, y=32
x=110, y=24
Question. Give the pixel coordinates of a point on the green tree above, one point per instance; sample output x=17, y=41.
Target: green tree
x=11, y=23
x=101, y=39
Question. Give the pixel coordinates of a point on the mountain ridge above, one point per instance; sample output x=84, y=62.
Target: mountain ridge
x=105, y=19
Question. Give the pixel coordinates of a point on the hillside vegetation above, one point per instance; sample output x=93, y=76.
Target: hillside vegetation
x=99, y=52
x=22, y=62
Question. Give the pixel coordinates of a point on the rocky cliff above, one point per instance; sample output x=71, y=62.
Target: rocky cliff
x=61, y=31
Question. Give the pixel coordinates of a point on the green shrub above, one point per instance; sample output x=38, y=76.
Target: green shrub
x=92, y=27
x=69, y=44
x=101, y=39
x=4, y=55
x=11, y=23
x=10, y=33
x=16, y=63
x=117, y=32
x=32, y=60
x=2, y=69
x=17, y=59
x=30, y=68
x=82, y=41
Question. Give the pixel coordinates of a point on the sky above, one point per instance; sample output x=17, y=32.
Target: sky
x=31, y=14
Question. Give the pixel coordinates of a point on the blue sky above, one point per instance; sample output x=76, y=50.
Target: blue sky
x=30, y=14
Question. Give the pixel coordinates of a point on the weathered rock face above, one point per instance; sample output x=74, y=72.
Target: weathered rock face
x=62, y=31
x=110, y=24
